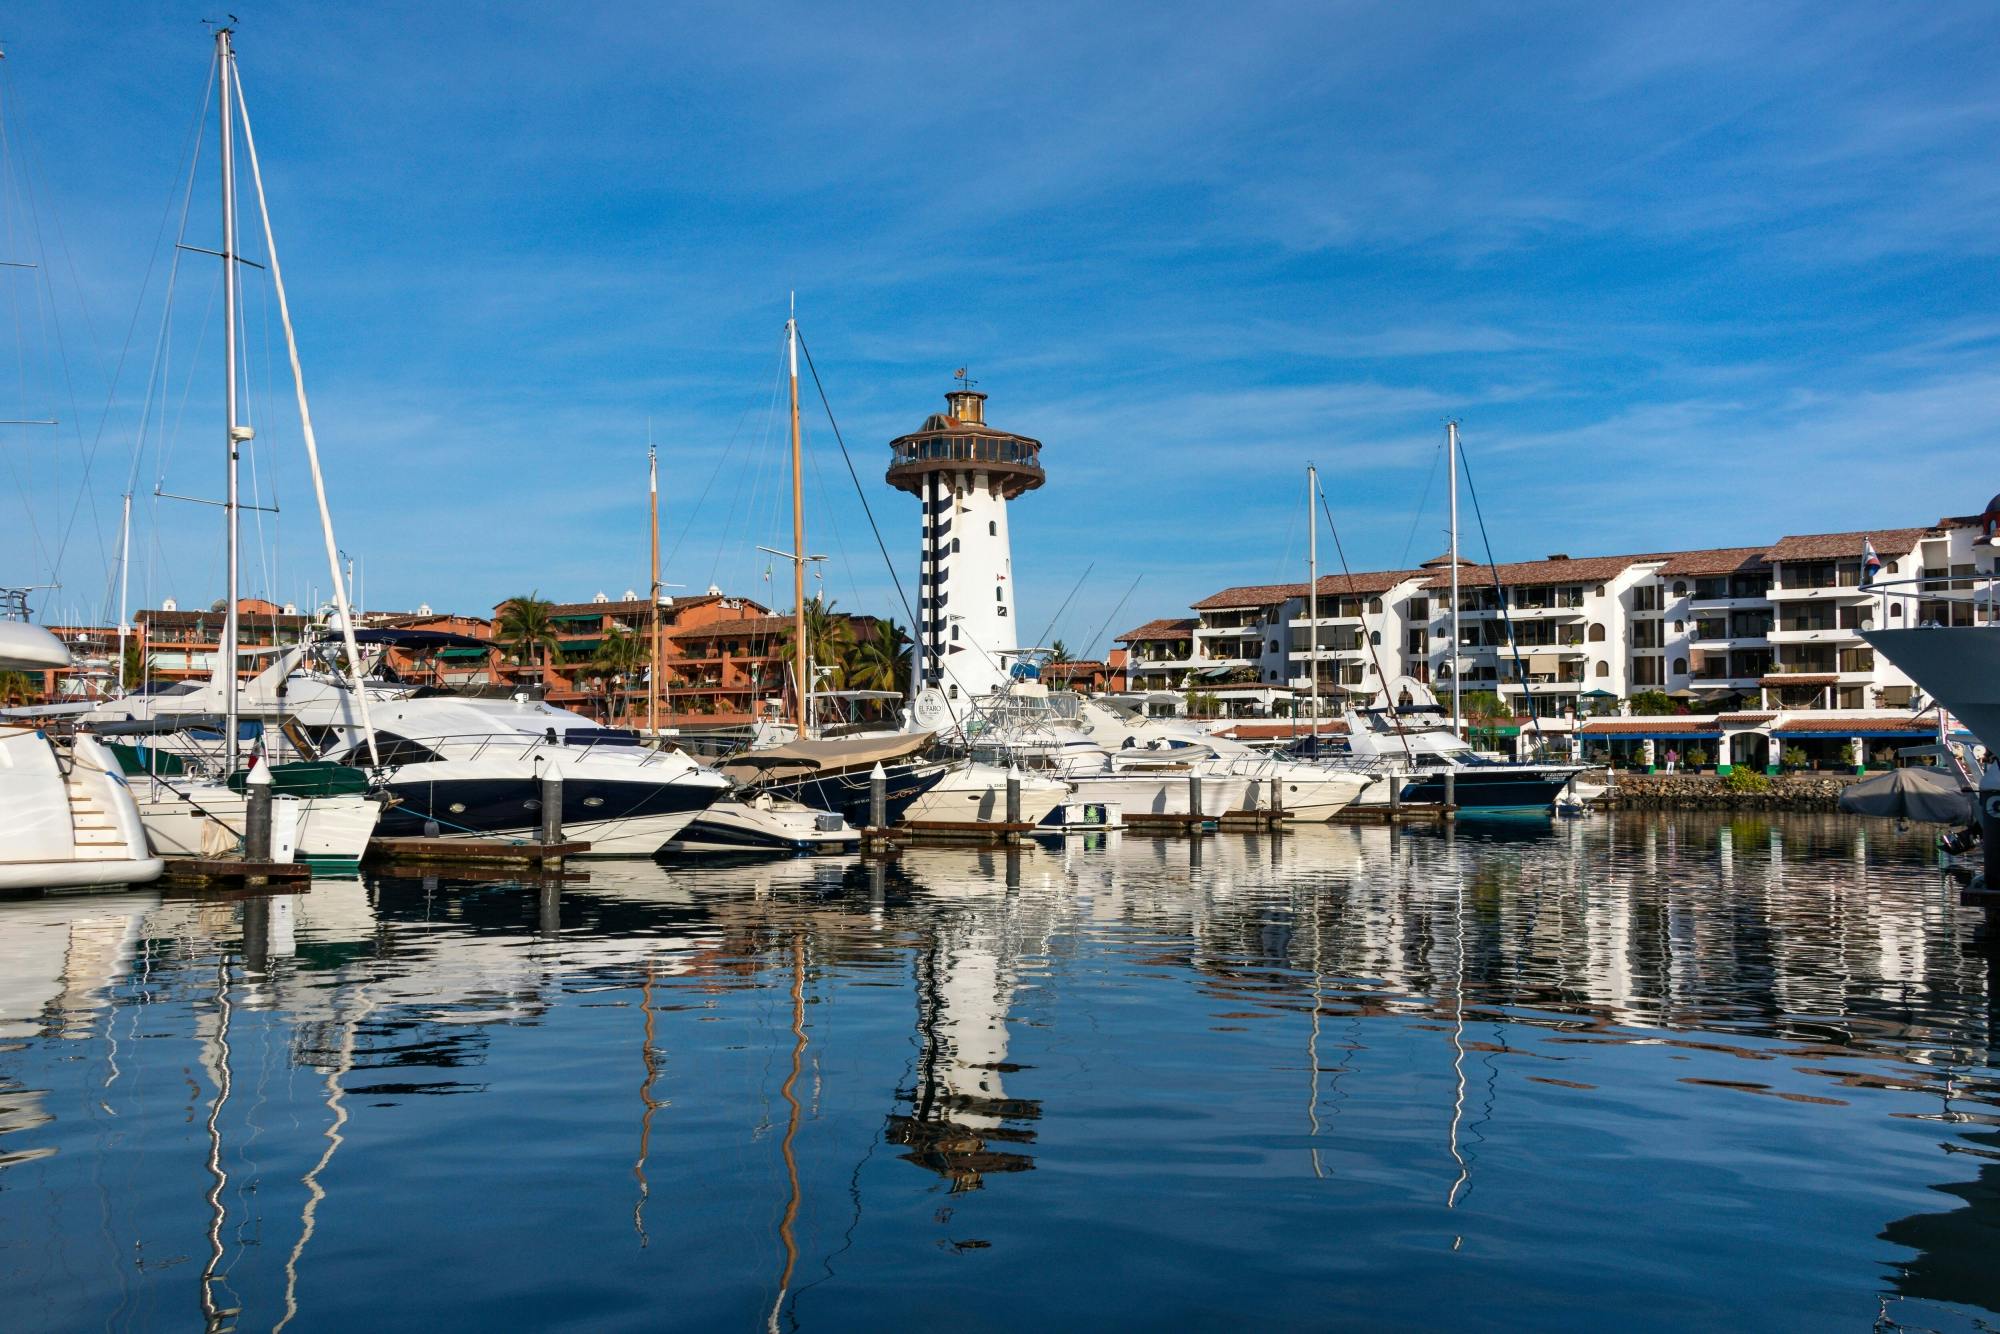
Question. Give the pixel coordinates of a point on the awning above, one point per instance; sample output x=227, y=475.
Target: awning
x=796, y=759
x=462, y=653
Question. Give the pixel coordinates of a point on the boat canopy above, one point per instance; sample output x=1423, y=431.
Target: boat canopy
x=797, y=759
x=1928, y=795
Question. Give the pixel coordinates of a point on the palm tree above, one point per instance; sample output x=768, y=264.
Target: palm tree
x=1485, y=710
x=527, y=627
x=18, y=688
x=881, y=661
x=829, y=639
x=622, y=653
x=1059, y=654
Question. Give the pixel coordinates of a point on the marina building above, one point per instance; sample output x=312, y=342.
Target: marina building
x=1773, y=627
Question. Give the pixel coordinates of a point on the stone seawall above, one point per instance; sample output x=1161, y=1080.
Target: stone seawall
x=1706, y=792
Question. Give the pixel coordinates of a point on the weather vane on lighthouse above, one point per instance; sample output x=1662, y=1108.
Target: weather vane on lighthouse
x=960, y=376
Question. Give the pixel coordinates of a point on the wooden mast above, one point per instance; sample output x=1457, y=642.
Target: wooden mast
x=801, y=681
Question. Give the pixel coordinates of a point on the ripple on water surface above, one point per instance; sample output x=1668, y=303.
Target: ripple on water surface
x=1647, y=1070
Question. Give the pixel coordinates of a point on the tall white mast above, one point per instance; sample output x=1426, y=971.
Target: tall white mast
x=1451, y=466
x=124, y=586
x=799, y=653
x=653, y=597
x=225, y=78
x=1312, y=595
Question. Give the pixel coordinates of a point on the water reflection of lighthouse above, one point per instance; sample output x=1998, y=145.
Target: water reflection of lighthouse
x=956, y=1118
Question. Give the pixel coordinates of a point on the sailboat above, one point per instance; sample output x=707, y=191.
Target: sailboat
x=1405, y=741
x=806, y=794
x=187, y=811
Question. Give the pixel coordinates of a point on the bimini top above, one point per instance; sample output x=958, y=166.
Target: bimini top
x=799, y=759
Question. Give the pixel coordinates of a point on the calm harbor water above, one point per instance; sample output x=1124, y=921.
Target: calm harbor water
x=1646, y=1071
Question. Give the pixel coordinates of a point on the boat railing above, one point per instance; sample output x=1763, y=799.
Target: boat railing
x=1980, y=591
x=519, y=745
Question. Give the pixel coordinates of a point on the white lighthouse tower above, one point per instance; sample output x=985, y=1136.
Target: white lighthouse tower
x=964, y=472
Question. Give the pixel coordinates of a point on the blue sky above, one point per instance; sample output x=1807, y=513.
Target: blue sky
x=1688, y=275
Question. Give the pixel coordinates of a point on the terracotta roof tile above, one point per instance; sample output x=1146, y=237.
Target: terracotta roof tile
x=1797, y=679
x=1250, y=595
x=1848, y=725
x=1165, y=628
x=1889, y=542
x=1714, y=561
x=1651, y=726
x=1569, y=570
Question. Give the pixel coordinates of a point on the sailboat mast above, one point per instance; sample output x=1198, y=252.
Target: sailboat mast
x=804, y=686
x=653, y=610
x=225, y=72
x=1312, y=596
x=1451, y=466
x=124, y=586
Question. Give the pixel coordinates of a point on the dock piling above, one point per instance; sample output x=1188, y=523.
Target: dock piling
x=878, y=797
x=1013, y=796
x=1194, y=796
x=257, y=815
x=552, y=801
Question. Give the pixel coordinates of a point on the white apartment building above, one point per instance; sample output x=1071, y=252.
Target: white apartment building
x=1773, y=627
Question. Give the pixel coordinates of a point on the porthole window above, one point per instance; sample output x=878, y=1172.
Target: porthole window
x=593, y=801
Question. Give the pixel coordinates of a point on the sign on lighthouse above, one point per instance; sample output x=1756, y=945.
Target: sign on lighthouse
x=964, y=472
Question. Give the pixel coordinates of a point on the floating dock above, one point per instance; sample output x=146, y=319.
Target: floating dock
x=431, y=853
x=232, y=873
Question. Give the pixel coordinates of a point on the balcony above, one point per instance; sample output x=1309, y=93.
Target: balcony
x=1330, y=653
x=1723, y=683
x=1324, y=622
x=1723, y=643
x=1548, y=613
x=1831, y=634
x=1827, y=593
x=1699, y=605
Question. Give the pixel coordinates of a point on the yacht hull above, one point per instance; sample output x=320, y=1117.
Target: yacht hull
x=732, y=828
x=1487, y=788
x=978, y=794
x=847, y=794
x=617, y=818
x=1959, y=666
x=330, y=829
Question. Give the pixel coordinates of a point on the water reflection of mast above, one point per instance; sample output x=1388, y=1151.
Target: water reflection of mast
x=1458, y=1045
x=650, y=1054
x=215, y=1057
x=336, y=1106
x=791, y=1097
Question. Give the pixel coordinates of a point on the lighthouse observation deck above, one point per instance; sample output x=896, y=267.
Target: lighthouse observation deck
x=960, y=441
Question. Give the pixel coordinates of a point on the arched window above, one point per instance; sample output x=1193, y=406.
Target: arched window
x=1603, y=669
x=1680, y=666
x=1375, y=605
x=1680, y=588
x=999, y=593
x=1680, y=627
x=1597, y=634
x=1896, y=609
x=1375, y=637
x=993, y=528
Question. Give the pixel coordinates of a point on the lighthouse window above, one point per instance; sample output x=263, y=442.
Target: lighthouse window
x=993, y=528
x=954, y=546
x=954, y=632
x=999, y=594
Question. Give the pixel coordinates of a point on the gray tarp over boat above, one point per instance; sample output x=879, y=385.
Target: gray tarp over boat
x=1934, y=796
x=802, y=759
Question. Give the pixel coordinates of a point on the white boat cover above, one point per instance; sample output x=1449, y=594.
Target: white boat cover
x=799, y=759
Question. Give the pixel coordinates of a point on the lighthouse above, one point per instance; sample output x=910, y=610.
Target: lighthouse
x=964, y=471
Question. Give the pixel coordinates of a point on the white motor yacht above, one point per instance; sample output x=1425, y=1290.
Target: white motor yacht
x=977, y=792
x=761, y=824
x=1307, y=793
x=67, y=819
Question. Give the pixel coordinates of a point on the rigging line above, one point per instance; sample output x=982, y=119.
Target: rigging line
x=1500, y=596
x=866, y=508
x=1092, y=648
x=1374, y=649
x=1043, y=638
x=1423, y=503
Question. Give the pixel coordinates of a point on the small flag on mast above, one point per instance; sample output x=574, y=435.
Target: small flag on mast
x=652, y=471
x=1871, y=564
